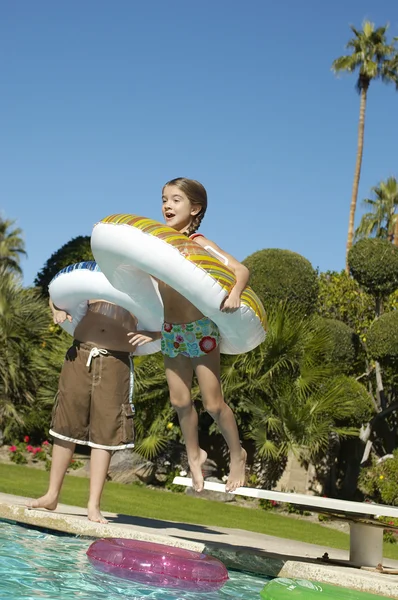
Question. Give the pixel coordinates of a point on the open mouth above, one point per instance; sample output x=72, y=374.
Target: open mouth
x=169, y=215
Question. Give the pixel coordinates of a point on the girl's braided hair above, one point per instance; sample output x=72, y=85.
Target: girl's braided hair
x=197, y=195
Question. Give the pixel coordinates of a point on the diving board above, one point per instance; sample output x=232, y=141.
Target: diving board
x=366, y=532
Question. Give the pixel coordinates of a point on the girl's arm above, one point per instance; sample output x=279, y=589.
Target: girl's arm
x=242, y=274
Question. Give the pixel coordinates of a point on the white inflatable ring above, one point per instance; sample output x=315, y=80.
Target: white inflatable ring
x=73, y=286
x=130, y=248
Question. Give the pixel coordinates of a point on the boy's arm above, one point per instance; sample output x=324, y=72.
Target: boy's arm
x=59, y=316
x=139, y=338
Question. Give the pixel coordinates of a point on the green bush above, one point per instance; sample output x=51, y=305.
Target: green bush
x=363, y=409
x=374, y=264
x=341, y=298
x=379, y=482
x=283, y=276
x=382, y=338
x=345, y=345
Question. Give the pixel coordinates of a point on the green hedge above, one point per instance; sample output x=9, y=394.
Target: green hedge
x=382, y=338
x=374, y=264
x=283, y=276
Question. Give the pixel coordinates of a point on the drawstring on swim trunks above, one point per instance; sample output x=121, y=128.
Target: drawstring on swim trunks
x=95, y=352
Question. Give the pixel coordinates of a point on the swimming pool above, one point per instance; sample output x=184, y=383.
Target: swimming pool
x=36, y=564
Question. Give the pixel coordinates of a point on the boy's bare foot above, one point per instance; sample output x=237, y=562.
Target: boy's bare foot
x=195, y=466
x=236, y=477
x=47, y=501
x=94, y=514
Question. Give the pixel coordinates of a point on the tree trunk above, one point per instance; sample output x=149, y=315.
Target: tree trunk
x=357, y=174
x=379, y=379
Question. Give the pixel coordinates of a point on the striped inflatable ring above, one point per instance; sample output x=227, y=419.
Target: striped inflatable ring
x=74, y=285
x=130, y=249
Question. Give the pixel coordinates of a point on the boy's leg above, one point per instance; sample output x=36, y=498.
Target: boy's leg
x=111, y=420
x=99, y=465
x=69, y=421
x=207, y=370
x=61, y=456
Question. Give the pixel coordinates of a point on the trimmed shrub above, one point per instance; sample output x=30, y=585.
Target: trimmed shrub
x=345, y=345
x=282, y=276
x=374, y=264
x=382, y=338
x=363, y=406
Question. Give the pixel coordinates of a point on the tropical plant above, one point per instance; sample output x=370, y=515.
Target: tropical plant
x=382, y=219
x=374, y=58
x=290, y=390
x=155, y=418
x=24, y=332
x=12, y=247
x=76, y=250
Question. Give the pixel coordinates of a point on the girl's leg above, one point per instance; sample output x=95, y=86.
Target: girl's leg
x=179, y=374
x=207, y=370
x=99, y=465
x=61, y=456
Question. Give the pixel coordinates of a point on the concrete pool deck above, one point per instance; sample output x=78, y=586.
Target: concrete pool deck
x=244, y=550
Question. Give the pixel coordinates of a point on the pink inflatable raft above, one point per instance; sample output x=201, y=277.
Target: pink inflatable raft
x=158, y=565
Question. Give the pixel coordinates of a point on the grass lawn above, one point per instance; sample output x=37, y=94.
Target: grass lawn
x=144, y=502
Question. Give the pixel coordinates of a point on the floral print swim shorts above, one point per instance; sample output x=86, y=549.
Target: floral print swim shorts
x=190, y=339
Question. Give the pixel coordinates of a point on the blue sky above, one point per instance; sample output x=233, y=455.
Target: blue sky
x=102, y=102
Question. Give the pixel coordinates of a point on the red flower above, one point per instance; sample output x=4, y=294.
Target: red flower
x=167, y=327
x=176, y=345
x=36, y=450
x=72, y=461
x=207, y=344
x=26, y=439
x=45, y=443
x=29, y=448
x=12, y=448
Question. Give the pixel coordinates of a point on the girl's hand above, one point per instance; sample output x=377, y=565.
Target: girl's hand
x=139, y=338
x=60, y=316
x=231, y=303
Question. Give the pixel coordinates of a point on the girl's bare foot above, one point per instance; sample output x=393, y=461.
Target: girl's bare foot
x=48, y=501
x=94, y=514
x=195, y=467
x=236, y=477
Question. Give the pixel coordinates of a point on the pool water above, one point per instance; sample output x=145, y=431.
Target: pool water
x=36, y=564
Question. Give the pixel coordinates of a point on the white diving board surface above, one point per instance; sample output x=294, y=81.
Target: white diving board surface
x=366, y=534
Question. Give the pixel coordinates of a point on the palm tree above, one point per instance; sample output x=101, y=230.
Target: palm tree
x=12, y=247
x=373, y=58
x=154, y=417
x=382, y=219
x=24, y=332
x=291, y=391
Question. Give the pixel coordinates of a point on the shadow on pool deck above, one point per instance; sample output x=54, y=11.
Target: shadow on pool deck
x=244, y=550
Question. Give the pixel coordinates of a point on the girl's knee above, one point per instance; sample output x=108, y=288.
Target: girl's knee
x=214, y=406
x=180, y=403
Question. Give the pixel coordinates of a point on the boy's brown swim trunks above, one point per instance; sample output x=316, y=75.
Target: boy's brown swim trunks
x=94, y=400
